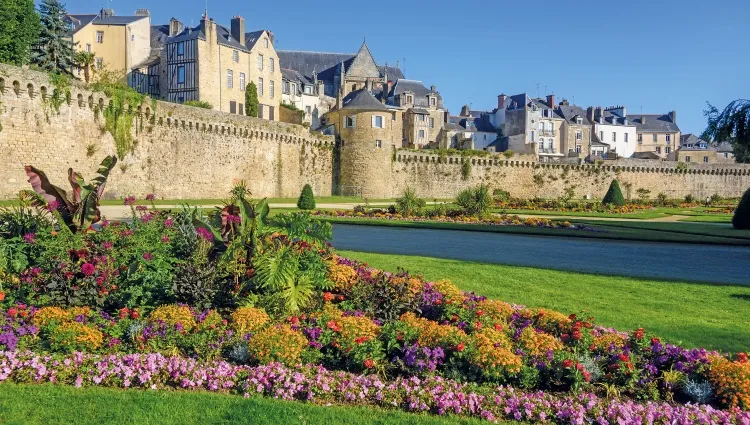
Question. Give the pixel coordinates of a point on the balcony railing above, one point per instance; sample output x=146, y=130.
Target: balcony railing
x=547, y=132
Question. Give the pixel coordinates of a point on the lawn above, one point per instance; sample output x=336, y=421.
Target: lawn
x=695, y=315
x=318, y=199
x=49, y=405
x=640, y=215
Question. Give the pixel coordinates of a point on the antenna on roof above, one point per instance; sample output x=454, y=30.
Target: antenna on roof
x=537, y=89
x=205, y=13
x=545, y=90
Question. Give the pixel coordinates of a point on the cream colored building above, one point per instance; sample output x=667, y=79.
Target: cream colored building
x=119, y=43
x=658, y=134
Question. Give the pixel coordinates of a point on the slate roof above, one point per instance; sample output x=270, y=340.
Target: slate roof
x=656, y=123
x=80, y=21
x=570, y=112
x=159, y=37
x=420, y=92
x=325, y=64
x=692, y=142
x=118, y=20
x=363, y=100
x=723, y=147
x=252, y=38
x=420, y=111
x=481, y=124
x=646, y=155
x=518, y=101
x=292, y=75
x=392, y=72
x=224, y=36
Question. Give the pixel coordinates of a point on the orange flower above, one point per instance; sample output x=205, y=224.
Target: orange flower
x=369, y=363
x=327, y=296
x=2, y=296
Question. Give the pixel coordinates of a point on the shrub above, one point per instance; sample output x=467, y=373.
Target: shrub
x=174, y=315
x=306, y=199
x=732, y=381
x=690, y=199
x=716, y=199
x=251, y=100
x=199, y=104
x=74, y=336
x=614, y=195
x=409, y=203
x=741, y=219
x=508, y=153
x=248, y=319
x=196, y=286
x=475, y=201
x=661, y=199
x=277, y=344
x=501, y=195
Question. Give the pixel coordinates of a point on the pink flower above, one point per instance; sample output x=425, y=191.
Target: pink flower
x=168, y=223
x=141, y=208
x=234, y=219
x=205, y=234
x=165, y=239
x=147, y=217
x=88, y=269
x=107, y=245
x=53, y=205
x=130, y=200
x=29, y=238
x=150, y=197
x=147, y=256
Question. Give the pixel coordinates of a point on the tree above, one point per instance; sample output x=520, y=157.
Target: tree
x=475, y=201
x=19, y=32
x=251, y=100
x=741, y=219
x=614, y=195
x=54, y=53
x=85, y=60
x=306, y=199
x=409, y=203
x=731, y=125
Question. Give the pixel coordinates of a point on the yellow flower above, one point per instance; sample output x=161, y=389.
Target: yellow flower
x=277, y=344
x=731, y=380
x=432, y=334
x=249, y=319
x=76, y=336
x=46, y=316
x=538, y=343
x=174, y=314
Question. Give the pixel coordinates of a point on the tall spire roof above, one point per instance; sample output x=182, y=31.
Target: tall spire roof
x=363, y=64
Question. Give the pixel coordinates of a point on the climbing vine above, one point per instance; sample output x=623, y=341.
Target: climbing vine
x=120, y=113
x=466, y=169
x=60, y=94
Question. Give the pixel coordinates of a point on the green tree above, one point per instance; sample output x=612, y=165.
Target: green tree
x=306, y=199
x=475, y=201
x=741, y=219
x=614, y=195
x=251, y=100
x=20, y=30
x=731, y=125
x=85, y=61
x=409, y=203
x=54, y=52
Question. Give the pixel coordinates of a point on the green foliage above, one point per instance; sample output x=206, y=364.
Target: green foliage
x=732, y=125
x=501, y=195
x=741, y=219
x=690, y=199
x=409, y=203
x=475, y=201
x=199, y=104
x=60, y=91
x=614, y=195
x=19, y=32
x=118, y=115
x=300, y=226
x=465, y=170
x=54, y=51
x=79, y=211
x=643, y=194
x=251, y=100
x=21, y=219
x=85, y=60
x=508, y=154
x=681, y=166
x=306, y=199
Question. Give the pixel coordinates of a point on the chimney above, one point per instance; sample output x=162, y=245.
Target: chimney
x=433, y=89
x=238, y=29
x=175, y=27
x=501, y=101
x=598, y=113
x=643, y=120
x=673, y=116
x=465, y=111
x=106, y=13
x=590, y=113
x=564, y=102
x=368, y=85
x=551, y=100
x=208, y=27
x=142, y=12
x=272, y=38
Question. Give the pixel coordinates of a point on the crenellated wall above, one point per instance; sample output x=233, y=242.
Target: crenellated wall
x=180, y=151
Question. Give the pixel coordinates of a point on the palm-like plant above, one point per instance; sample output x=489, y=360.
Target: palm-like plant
x=475, y=201
x=85, y=61
x=409, y=203
x=301, y=227
x=278, y=272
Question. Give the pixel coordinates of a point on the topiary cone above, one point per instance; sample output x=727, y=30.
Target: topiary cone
x=741, y=219
x=306, y=199
x=614, y=195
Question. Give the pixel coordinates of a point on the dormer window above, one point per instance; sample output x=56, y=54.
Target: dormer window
x=433, y=101
x=579, y=120
x=409, y=99
x=266, y=42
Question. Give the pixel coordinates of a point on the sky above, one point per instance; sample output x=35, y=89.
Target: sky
x=652, y=56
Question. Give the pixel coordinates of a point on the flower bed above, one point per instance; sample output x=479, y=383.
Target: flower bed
x=318, y=385
x=493, y=220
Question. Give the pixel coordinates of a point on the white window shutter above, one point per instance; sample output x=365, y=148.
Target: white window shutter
x=373, y=121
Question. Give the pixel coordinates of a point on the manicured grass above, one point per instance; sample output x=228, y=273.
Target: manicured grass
x=318, y=199
x=640, y=215
x=48, y=404
x=617, y=230
x=715, y=218
x=695, y=315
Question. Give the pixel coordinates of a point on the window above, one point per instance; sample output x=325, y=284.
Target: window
x=236, y=56
x=378, y=143
x=132, y=38
x=230, y=78
x=541, y=126
x=308, y=89
x=100, y=36
x=658, y=149
x=99, y=63
x=354, y=87
x=579, y=135
x=180, y=48
x=726, y=154
x=377, y=122
x=531, y=136
x=433, y=101
x=242, y=109
x=614, y=136
x=601, y=136
x=409, y=99
x=232, y=107
x=653, y=137
x=260, y=62
x=705, y=159
x=88, y=47
x=308, y=111
x=285, y=87
x=181, y=74
x=579, y=120
x=271, y=65
x=242, y=81
x=350, y=122
x=260, y=86
x=294, y=89
x=421, y=118
x=669, y=138
x=432, y=122
x=393, y=116
x=687, y=159
x=266, y=42
x=668, y=149
x=578, y=148
x=626, y=137
x=271, y=89
x=485, y=137
x=549, y=127
x=421, y=134
x=640, y=138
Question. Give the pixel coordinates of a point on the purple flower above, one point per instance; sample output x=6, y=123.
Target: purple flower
x=205, y=234
x=88, y=269
x=129, y=200
x=141, y=208
x=29, y=238
x=147, y=218
x=53, y=205
x=147, y=256
x=150, y=197
x=168, y=223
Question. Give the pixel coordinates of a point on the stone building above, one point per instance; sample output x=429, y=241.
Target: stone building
x=658, y=134
x=472, y=130
x=213, y=64
x=119, y=43
x=694, y=149
x=306, y=95
x=423, y=109
x=531, y=126
x=575, y=130
x=612, y=128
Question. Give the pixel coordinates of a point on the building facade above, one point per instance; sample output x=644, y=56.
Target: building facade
x=613, y=128
x=306, y=95
x=657, y=134
x=575, y=130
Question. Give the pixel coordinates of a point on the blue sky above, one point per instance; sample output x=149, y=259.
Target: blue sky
x=655, y=55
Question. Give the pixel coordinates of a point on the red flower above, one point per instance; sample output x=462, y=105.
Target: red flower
x=579, y=367
x=639, y=333
x=480, y=313
x=147, y=256
x=624, y=358
x=498, y=327
x=460, y=347
x=360, y=340
x=12, y=312
x=341, y=298
x=577, y=335
x=134, y=314
x=332, y=325
x=23, y=313
x=586, y=376
x=742, y=357
x=572, y=317
x=2, y=296
x=88, y=269
x=655, y=340
x=567, y=363
x=327, y=296
x=369, y=364
x=478, y=325
x=294, y=320
x=124, y=312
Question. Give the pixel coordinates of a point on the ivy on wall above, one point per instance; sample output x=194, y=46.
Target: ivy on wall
x=120, y=113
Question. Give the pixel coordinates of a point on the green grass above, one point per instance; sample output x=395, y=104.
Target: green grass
x=48, y=404
x=695, y=315
x=640, y=215
x=617, y=230
x=318, y=199
x=714, y=218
